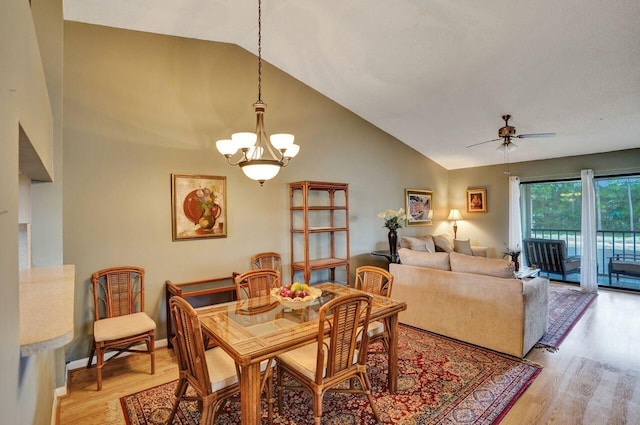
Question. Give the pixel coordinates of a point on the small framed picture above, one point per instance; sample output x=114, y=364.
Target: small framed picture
x=198, y=207
x=419, y=207
x=477, y=200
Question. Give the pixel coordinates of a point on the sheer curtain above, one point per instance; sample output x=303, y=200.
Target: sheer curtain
x=588, y=260
x=515, y=227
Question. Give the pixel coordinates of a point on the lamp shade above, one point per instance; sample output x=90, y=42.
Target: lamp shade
x=510, y=147
x=455, y=215
x=226, y=147
x=260, y=170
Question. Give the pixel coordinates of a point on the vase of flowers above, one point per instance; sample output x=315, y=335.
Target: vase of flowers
x=210, y=210
x=514, y=253
x=393, y=222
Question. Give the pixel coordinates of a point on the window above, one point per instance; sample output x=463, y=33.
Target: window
x=552, y=210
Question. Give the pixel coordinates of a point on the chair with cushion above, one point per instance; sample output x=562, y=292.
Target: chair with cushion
x=212, y=374
x=267, y=260
x=338, y=354
x=377, y=281
x=256, y=283
x=120, y=322
x=550, y=256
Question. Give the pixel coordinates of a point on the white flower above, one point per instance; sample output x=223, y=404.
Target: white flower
x=392, y=219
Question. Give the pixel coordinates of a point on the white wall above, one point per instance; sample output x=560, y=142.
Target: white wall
x=28, y=383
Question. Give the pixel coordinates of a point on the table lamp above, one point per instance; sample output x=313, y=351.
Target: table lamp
x=455, y=215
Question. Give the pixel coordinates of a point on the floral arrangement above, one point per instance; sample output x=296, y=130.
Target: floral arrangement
x=393, y=219
x=512, y=251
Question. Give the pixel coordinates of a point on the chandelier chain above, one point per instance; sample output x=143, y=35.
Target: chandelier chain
x=259, y=51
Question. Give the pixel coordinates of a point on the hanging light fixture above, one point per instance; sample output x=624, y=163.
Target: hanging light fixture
x=260, y=159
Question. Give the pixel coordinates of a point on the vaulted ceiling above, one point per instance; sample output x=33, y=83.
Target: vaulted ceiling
x=437, y=74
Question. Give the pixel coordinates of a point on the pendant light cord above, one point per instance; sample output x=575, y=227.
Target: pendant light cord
x=259, y=51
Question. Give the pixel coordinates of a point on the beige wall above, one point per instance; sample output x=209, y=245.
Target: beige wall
x=28, y=383
x=491, y=229
x=139, y=107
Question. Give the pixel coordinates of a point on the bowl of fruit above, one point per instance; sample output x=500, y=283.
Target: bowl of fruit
x=297, y=295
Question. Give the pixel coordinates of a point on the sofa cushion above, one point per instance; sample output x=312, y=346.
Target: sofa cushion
x=444, y=243
x=433, y=260
x=428, y=241
x=462, y=246
x=480, y=265
x=413, y=244
x=423, y=243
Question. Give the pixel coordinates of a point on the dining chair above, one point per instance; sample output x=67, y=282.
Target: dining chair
x=120, y=323
x=256, y=283
x=267, y=260
x=330, y=360
x=377, y=281
x=212, y=374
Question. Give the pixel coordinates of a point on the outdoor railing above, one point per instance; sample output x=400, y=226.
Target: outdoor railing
x=608, y=242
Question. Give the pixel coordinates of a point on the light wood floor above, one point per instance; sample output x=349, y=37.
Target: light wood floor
x=594, y=378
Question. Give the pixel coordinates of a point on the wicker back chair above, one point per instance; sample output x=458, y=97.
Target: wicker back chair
x=212, y=374
x=120, y=322
x=374, y=280
x=267, y=260
x=342, y=356
x=378, y=281
x=256, y=283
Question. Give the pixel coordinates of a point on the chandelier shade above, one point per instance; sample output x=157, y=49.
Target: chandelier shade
x=261, y=157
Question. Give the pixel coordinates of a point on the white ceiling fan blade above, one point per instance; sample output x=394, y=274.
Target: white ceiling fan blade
x=482, y=143
x=535, y=135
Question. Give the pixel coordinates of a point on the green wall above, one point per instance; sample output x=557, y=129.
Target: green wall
x=140, y=106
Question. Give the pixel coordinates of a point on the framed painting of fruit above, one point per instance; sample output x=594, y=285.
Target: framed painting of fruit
x=198, y=206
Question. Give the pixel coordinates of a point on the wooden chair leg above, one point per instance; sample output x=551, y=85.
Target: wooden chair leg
x=152, y=352
x=180, y=391
x=93, y=351
x=99, y=364
x=270, y=399
x=280, y=389
x=317, y=408
x=366, y=385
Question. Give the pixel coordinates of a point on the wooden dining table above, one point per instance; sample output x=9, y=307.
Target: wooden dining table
x=257, y=329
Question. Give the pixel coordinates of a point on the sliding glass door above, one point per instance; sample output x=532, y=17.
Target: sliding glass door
x=551, y=210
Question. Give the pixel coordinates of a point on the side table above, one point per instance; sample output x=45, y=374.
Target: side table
x=526, y=272
x=387, y=255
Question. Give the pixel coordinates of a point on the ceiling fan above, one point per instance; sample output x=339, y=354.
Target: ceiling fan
x=505, y=134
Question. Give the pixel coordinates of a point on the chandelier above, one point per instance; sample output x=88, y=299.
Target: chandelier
x=261, y=157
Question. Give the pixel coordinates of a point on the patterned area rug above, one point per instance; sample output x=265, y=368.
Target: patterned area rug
x=566, y=307
x=442, y=381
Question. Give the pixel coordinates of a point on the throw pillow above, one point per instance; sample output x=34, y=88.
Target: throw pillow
x=462, y=246
x=432, y=260
x=428, y=240
x=481, y=265
x=413, y=244
x=444, y=243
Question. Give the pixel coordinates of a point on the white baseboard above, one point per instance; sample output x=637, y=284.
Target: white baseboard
x=80, y=363
x=57, y=394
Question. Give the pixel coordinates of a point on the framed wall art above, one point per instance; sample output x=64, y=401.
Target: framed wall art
x=419, y=207
x=477, y=200
x=198, y=206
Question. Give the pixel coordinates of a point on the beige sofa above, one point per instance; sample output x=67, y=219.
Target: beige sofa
x=471, y=299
